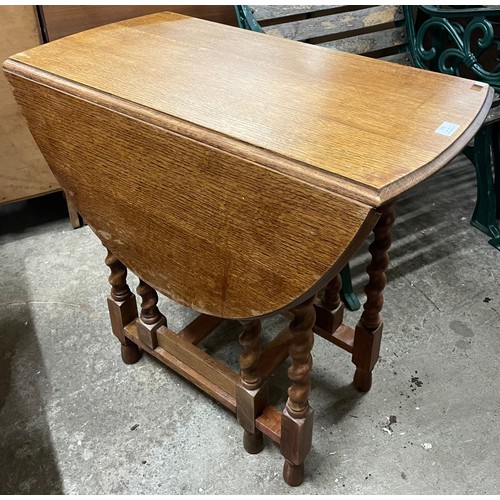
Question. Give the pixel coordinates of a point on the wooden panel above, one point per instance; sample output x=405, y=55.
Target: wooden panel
x=64, y=20
x=402, y=58
x=346, y=134
x=336, y=23
x=264, y=12
x=23, y=170
x=369, y=42
x=204, y=227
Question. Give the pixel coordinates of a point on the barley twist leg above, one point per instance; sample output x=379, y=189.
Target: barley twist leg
x=297, y=418
x=122, y=308
x=368, y=332
x=150, y=318
x=251, y=392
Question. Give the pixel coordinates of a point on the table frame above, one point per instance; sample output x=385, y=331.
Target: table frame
x=246, y=393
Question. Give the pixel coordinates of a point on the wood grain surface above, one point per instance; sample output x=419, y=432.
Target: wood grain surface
x=233, y=172
x=212, y=231
x=368, y=123
x=23, y=171
x=336, y=23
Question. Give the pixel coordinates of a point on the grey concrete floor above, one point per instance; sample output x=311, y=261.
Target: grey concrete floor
x=75, y=420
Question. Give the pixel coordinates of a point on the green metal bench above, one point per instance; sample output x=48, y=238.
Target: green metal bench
x=449, y=40
x=466, y=42
x=377, y=31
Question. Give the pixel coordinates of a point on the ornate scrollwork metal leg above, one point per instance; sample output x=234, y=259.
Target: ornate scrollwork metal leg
x=297, y=417
x=122, y=308
x=251, y=391
x=484, y=215
x=368, y=332
x=495, y=145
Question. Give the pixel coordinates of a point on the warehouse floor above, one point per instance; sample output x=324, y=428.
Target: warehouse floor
x=75, y=420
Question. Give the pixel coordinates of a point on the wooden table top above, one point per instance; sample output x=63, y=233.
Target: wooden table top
x=370, y=125
x=234, y=172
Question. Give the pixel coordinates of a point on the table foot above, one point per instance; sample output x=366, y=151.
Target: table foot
x=293, y=474
x=486, y=209
x=362, y=380
x=122, y=308
x=253, y=443
x=365, y=355
x=495, y=242
x=347, y=293
x=130, y=353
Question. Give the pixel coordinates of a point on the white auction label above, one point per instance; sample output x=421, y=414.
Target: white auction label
x=447, y=128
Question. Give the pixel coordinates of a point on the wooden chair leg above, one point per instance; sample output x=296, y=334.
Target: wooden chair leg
x=122, y=308
x=368, y=331
x=251, y=391
x=297, y=417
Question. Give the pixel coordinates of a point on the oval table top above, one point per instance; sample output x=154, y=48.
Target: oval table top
x=233, y=171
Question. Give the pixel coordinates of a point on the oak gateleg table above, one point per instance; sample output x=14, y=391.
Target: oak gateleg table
x=237, y=174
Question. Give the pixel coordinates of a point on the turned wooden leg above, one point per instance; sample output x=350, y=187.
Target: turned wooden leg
x=151, y=318
x=330, y=312
x=331, y=296
x=122, y=308
x=368, y=332
x=251, y=391
x=297, y=417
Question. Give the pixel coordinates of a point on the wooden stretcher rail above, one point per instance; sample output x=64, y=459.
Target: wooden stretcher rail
x=238, y=211
x=209, y=375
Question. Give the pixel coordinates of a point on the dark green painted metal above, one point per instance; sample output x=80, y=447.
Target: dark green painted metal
x=246, y=19
x=449, y=31
x=347, y=294
x=457, y=41
x=495, y=144
x=484, y=215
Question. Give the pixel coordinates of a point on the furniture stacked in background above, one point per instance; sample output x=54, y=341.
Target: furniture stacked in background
x=23, y=170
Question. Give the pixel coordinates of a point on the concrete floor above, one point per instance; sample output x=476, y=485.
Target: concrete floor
x=74, y=419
